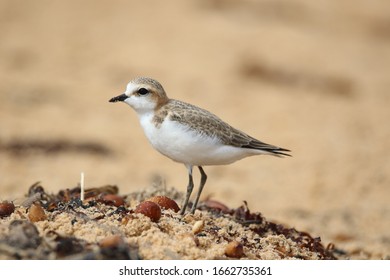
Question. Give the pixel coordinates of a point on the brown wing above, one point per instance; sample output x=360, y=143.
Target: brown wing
x=195, y=117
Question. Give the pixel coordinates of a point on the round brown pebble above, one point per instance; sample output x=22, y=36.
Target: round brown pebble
x=113, y=199
x=216, y=205
x=165, y=202
x=149, y=209
x=6, y=208
x=36, y=213
x=234, y=249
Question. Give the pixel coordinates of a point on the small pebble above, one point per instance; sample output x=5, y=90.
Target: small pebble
x=149, y=209
x=234, y=249
x=36, y=213
x=111, y=241
x=6, y=208
x=198, y=227
x=216, y=205
x=165, y=202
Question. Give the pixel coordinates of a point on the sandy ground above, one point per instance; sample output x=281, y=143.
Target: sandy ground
x=145, y=225
x=310, y=76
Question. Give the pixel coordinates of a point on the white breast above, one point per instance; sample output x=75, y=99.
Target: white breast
x=181, y=144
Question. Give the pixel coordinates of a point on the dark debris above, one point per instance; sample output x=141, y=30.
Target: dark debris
x=262, y=227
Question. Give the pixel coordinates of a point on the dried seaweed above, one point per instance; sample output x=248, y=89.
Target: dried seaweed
x=262, y=227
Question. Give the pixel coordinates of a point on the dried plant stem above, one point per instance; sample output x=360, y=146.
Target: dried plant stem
x=82, y=186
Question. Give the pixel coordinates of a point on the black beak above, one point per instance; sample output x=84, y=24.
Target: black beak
x=121, y=97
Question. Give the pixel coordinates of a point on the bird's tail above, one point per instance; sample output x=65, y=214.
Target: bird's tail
x=266, y=148
x=279, y=152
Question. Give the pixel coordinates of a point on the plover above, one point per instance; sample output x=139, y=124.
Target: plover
x=188, y=134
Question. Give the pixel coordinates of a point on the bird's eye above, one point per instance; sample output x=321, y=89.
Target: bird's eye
x=143, y=91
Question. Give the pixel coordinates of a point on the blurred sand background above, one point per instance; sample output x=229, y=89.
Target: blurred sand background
x=311, y=76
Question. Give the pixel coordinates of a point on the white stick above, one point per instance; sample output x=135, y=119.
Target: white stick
x=82, y=186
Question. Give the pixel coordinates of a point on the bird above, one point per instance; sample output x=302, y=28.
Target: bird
x=188, y=134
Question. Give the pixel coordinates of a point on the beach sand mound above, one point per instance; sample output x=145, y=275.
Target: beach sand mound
x=107, y=225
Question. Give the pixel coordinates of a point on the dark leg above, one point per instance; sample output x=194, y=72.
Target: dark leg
x=203, y=179
x=189, y=190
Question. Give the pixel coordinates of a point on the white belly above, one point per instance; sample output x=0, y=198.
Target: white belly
x=180, y=144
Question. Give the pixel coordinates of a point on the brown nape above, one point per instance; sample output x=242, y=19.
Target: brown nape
x=160, y=97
